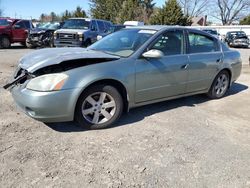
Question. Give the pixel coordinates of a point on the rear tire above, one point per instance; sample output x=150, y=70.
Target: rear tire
x=99, y=107
x=5, y=42
x=220, y=85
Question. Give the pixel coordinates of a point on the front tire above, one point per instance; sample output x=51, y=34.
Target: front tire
x=99, y=107
x=220, y=85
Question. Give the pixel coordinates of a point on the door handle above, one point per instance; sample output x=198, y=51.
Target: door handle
x=219, y=60
x=184, y=66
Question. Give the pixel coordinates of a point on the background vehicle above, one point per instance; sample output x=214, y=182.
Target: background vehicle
x=13, y=30
x=213, y=32
x=237, y=39
x=133, y=23
x=80, y=32
x=112, y=29
x=42, y=35
x=127, y=69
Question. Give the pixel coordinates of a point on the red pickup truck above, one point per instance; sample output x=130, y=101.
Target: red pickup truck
x=13, y=30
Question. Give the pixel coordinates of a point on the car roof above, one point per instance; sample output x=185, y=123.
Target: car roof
x=87, y=19
x=156, y=27
x=166, y=27
x=236, y=32
x=6, y=18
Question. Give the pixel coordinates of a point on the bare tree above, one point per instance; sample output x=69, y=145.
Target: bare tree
x=229, y=11
x=194, y=8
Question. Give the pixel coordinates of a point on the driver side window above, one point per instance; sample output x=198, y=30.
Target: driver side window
x=20, y=25
x=170, y=43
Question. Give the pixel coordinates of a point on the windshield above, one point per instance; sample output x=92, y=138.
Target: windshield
x=48, y=26
x=76, y=24
x=5, y=22
x=237, y=33
x=123, y=43
x=212, y=32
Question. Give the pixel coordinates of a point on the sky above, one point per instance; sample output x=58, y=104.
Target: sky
x=27, y=9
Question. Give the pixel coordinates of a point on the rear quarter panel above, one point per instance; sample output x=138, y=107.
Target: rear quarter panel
x=232, y=60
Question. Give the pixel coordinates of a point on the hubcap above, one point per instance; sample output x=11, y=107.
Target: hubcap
x=221, y=85
x=98, y=108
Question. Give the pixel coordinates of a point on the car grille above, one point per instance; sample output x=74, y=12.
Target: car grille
x=34, y=35
x=67, y=36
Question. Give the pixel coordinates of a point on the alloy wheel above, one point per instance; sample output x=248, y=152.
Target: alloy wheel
x=98, y=108
x=221, y=85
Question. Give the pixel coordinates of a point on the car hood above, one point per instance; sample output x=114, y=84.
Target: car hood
x=47, y=57
x=71, y=30
x=39, y=30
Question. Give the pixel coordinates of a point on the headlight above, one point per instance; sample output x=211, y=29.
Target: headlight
x=80, y=36
x=55, y=35
x=49, y=82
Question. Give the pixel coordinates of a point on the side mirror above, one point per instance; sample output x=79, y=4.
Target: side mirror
x=156, y=54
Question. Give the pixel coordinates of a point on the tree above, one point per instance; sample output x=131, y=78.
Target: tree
x=66, y=15
x=193, y=8
x=229, y=11
x=245, y=21
x=148, y=9
x=170, y=14
x=79, y=12
x=53, y=16
x=131, y=10
x=106, y=9
x=42, y=17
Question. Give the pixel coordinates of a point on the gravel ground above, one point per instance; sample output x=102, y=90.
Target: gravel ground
x=189, y=142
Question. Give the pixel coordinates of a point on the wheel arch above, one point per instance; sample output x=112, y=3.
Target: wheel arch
x=112, y=82
x=6, y=35
x=229, y=73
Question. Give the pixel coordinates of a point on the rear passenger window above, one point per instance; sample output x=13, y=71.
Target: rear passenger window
x=101, y=26
x=170, y=43
x=93, y=26
x=199, y=43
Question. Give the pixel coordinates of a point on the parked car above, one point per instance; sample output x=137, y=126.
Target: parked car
x=237, y=39
x=133, y=23
x=42, y=35
x=112, y=29
x=126, y=69
x=13, y=30
x=213, y=32
x=80, y=32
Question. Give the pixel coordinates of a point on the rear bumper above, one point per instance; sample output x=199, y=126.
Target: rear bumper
x=57, y=106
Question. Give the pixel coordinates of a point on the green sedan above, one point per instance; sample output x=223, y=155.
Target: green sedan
x=129, y=68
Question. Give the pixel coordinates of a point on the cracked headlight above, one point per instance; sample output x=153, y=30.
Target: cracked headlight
x=48, y=82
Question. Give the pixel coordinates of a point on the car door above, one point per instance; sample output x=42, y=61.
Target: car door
x=205, y=57
x=166, y=76
x=19, y=32
x=93, y=31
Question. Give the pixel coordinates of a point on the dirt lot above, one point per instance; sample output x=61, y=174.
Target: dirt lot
x=190, y=142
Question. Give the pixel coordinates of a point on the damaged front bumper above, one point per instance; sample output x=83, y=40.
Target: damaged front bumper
x=47, y=107
x=54, y=106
